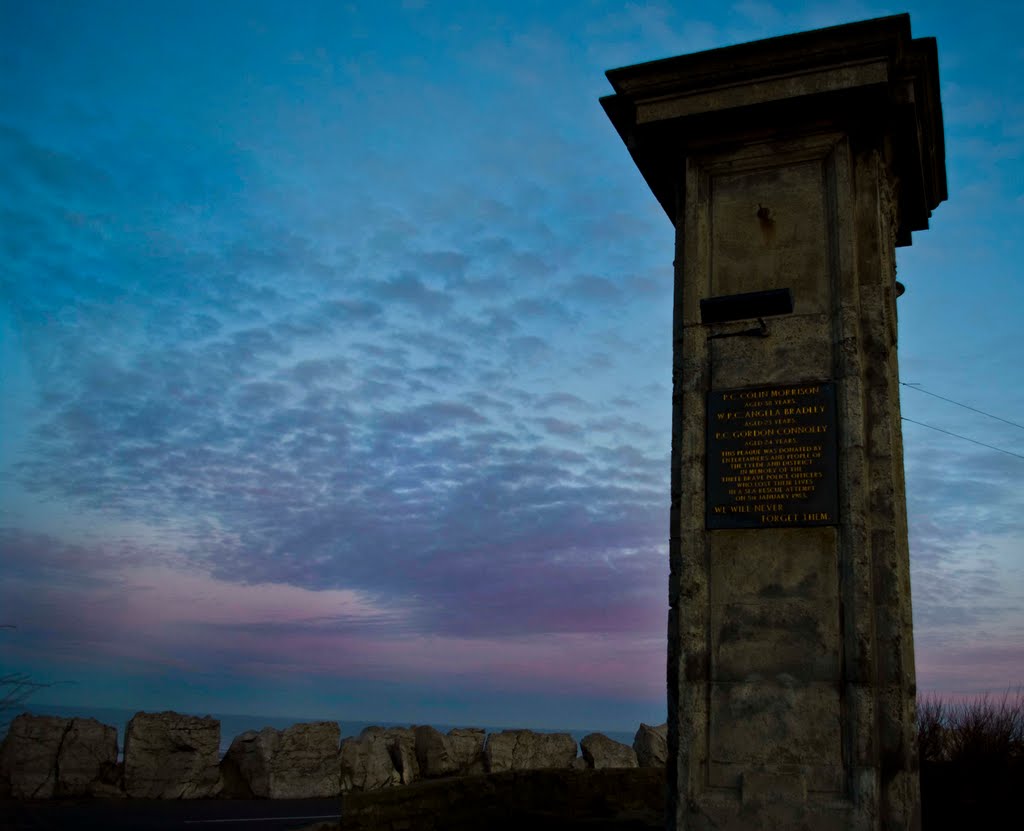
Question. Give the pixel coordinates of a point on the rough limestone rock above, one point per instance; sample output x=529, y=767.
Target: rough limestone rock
x=433, y=753
x=365, y=762
x=300, y=762
x=402, y=747
x=651, y=745
x=46, y=756
x=87, y=761
x=466, y=746
x=28, y=758
x=526, y=750
x=601, y=752
x=171, y=756
x=243, y=770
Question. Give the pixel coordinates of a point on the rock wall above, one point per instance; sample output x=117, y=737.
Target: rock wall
x=651, y=745
x=48, y=756
x=366, y=762
x=298, y=763
x=526, y=750
x=172, y=756
x=601, y=752
x=466, y=745
x=459, y=753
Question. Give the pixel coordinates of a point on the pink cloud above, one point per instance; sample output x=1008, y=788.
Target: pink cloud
x=971, y=669
x=163, y=617
x=160, y=595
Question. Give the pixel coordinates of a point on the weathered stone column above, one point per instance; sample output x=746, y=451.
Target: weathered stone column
x=791, y=168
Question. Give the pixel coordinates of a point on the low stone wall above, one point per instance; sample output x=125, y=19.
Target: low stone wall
x=172, y=756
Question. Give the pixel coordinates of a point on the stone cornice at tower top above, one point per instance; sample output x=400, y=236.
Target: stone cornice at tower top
x=870, y=79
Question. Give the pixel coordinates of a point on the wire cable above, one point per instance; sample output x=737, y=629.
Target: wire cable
x=958, y=436
x=965, y=406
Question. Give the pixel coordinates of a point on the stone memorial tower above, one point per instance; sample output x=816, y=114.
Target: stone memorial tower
x=791, y=169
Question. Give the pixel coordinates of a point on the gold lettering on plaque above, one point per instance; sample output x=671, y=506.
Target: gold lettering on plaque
x=771, y=457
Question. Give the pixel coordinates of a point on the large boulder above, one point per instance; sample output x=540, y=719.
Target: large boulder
x=651, y=745
x=601, y=752
x=87, y=762
x=171, y=756
x=365, y=761
x=402, y=747
x=526, y=750
x=28, y=757
x=300, y=762
x=466, y=746
x=459, y=753
x=46, y=756
x=434, y=753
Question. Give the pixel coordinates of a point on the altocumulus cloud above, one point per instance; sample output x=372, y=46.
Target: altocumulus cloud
x=327, y=425
x=293, y=391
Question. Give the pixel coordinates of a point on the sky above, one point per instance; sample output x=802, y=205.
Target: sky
x=336, y=351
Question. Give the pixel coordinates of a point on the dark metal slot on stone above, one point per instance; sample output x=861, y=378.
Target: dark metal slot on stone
x=752, y=304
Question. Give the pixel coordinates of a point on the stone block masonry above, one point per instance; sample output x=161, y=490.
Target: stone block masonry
x=790, y=167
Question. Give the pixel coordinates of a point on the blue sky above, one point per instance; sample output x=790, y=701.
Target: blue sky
x=336, y=342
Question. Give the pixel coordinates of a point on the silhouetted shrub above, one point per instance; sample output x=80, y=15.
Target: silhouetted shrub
x=932, y=719
x=972, y=760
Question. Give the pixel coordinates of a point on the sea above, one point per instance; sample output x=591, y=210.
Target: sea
x=232, y=725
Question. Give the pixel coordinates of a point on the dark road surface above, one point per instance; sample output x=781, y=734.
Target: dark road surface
x=163, y=815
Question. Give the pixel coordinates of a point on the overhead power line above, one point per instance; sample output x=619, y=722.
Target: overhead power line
x=958, y=436
x=965, y=406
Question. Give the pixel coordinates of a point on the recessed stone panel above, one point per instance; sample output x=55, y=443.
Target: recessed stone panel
x=794, y=637
x=816, y=778
x=775, y=563
x=769, y=231
x=795, y=349
x=775, y=722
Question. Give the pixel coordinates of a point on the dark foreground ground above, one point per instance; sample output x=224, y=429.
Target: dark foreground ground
x=623, y=800
x=537, y=800
x=607, y=800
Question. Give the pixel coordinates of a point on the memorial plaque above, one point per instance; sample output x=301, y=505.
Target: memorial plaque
x=771, y=459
